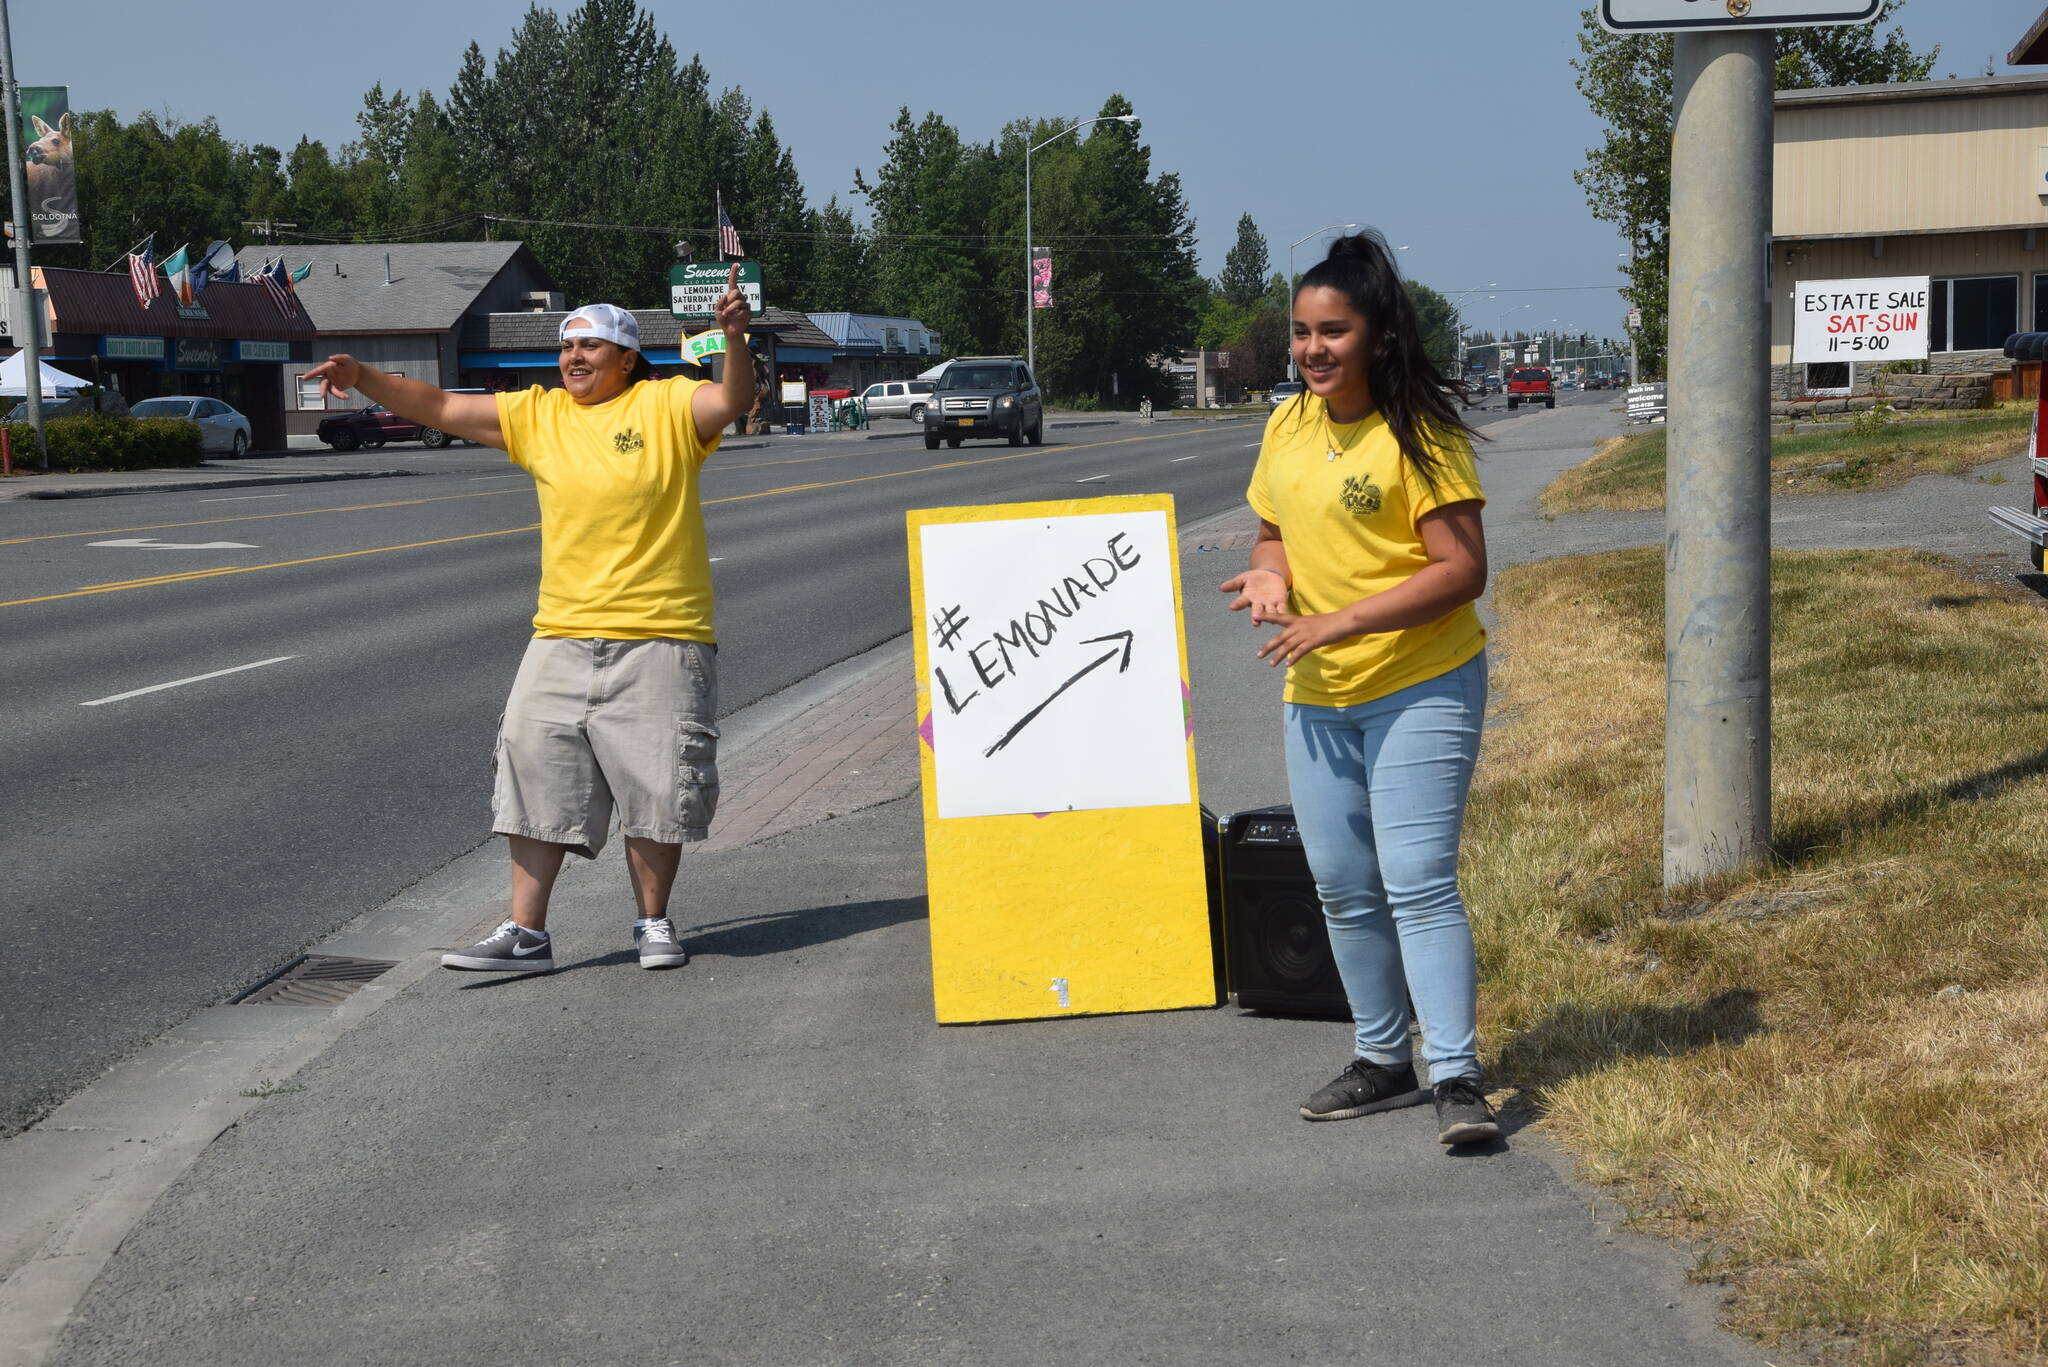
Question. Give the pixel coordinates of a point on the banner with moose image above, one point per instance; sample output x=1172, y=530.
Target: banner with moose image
x=52, y=180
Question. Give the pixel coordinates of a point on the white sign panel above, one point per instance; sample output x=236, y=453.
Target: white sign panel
x=1055, y=664
x=1860, y=320
x=1678, y=16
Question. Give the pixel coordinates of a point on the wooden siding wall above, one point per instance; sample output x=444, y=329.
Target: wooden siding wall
x=1910, y=166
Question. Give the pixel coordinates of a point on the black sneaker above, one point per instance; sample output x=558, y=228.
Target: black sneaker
x=1364, y=1087
x=657, y=942
x=511, y=948
x=1462, y=1115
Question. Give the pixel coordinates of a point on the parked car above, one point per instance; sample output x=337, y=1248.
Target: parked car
x=1531, y=384
x=220, y=428
x=74, y=405
x=1283, y=391
x=985, y=396
x=898, y=399
x=375, y=424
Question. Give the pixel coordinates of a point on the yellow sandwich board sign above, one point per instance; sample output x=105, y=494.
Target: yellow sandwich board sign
x=1063, y=843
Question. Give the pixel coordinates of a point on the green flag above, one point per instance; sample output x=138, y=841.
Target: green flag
x=302, y=272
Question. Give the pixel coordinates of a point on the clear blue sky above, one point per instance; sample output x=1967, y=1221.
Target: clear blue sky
x=1452, y=127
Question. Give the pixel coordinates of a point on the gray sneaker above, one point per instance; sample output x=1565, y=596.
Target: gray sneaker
x=657, y=942
x=1462, y=1115
x=1364, y=1088
x=511, y=948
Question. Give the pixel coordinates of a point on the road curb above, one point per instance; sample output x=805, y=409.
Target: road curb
x=172, y=487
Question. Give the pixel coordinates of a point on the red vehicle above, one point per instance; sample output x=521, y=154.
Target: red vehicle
x=376, y=424
x=1529, y=384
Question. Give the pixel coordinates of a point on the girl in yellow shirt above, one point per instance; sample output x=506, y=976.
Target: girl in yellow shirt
x=1369, y=558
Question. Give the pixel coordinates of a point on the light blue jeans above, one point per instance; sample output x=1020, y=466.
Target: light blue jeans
x=1379, y=795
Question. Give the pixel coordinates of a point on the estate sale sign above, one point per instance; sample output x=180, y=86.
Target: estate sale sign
x=1860, y=320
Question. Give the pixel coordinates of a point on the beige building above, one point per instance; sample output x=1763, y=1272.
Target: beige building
x=1947, y=179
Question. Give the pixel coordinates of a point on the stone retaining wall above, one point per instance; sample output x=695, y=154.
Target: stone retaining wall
x=1941, y=390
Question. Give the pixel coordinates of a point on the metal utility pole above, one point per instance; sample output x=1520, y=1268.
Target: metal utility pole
x=1717, y=553
x=28, y=323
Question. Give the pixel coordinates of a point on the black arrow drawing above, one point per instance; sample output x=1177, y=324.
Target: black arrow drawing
x=1085, y=670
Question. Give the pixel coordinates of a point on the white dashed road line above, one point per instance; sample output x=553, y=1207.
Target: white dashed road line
x=1091, y=479
x=180, y=683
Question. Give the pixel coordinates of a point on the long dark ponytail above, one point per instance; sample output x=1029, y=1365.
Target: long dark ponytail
x=1406, y=388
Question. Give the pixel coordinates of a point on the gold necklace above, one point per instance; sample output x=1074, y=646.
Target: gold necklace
x=1335, y=444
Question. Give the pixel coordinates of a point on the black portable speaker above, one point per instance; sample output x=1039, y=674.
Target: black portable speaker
x=1279, y=949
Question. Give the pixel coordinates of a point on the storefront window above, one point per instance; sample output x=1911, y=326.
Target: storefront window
x=1975, y=313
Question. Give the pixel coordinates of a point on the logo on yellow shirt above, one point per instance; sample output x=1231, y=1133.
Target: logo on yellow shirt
x=1360, y=496
x=628, y=441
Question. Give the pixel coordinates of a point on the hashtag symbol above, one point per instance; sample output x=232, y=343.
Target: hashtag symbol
x=950, y=624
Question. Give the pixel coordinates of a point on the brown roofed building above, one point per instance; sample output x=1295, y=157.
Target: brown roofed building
x=232, y=343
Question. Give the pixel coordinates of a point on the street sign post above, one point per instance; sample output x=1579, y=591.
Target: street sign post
x=1860, y=320
x=1707, y=16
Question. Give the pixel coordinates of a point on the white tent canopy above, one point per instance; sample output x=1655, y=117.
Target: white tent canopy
x=934, y=372
x=55, y=383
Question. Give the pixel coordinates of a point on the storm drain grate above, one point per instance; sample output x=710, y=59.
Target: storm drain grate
x=315, y=980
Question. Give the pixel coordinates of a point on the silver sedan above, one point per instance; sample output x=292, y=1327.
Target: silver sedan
x=220, y=428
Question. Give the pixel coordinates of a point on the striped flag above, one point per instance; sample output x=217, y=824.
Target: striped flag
x=728, y=236
x=178, y=268
x=142, y=274
x=277, y=282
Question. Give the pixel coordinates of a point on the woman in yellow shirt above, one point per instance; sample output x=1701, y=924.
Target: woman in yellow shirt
x=1370, y=555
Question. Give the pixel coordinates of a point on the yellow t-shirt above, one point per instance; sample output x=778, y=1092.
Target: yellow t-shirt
x=1349, y=526
x=622, y=547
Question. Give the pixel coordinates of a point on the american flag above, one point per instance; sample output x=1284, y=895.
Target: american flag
x=142, y=274
x=728, y=236
x=277, y=281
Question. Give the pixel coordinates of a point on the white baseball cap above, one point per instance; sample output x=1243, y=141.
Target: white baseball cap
x=607, y=323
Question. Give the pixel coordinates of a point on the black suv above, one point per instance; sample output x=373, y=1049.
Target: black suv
x=985, y=396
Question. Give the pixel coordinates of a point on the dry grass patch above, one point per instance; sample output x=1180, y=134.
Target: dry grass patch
x=1627, y=473
x=1832, y=1074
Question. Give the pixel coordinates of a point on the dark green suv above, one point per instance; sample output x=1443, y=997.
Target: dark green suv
x=985, y=396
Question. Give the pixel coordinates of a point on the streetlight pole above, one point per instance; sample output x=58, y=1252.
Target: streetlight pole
x=28, y=322
x=1030, y=301
x=1327, y=227
x=1458, y=312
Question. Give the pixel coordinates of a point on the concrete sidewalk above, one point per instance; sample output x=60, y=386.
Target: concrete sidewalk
x=774, y=1155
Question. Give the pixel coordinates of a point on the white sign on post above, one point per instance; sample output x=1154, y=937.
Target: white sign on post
x=1692, y=16
x=1055, y=664
x=1860, y=320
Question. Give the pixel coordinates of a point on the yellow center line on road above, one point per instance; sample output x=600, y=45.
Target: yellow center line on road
x=261, y=517
x=179, y=577
x=251, y=569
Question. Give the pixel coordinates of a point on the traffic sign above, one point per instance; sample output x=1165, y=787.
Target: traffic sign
x=1635, y=320
x=1696, y=16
